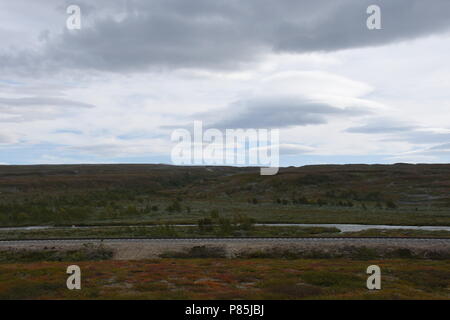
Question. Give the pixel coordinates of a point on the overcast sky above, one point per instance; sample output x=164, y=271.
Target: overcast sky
x=114, y=90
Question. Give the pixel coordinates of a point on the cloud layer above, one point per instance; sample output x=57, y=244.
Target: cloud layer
x=276, y=112
x=336, y=90
x=166, y=34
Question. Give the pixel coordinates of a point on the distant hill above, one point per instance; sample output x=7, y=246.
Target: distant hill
x=135, y=193
x=406, y=183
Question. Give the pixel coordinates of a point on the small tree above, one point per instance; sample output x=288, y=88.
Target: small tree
x=214, y=214
x=391, y=204
x=205, y=224
x=225, y=226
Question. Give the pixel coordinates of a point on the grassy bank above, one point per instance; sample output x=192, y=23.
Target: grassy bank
x=130, y=213
x=397, y=233
x=228, y=279
x=167, y=231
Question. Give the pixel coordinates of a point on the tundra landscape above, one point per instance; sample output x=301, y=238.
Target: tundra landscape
x=124, y=222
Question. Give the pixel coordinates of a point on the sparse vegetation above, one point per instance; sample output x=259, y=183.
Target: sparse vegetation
x=87, y=253
x=348, y=252
x=197, y=252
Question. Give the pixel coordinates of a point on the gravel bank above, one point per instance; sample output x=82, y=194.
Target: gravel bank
x=150, y=249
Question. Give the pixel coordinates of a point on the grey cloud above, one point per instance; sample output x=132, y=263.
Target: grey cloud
x=275, y=112
x=6, y=138
x=98, y=149
x=442, y=147
x=39, y=101
x=383, y=126
x=401, y=131
x=222, y=33
x=37, y=108
x=439, y=151
x=295, y=149
x=425, y=137
x=33, y=90
x=110, y=149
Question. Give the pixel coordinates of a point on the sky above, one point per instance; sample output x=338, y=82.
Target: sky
x=114, y=90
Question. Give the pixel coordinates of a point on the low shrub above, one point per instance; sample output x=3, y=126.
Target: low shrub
x=197, y=252
x=87, y=253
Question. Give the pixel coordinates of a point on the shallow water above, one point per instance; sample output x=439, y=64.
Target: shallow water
x=361, y=227
x=341, y=227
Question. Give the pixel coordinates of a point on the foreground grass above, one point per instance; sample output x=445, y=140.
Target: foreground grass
x=228, y=279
